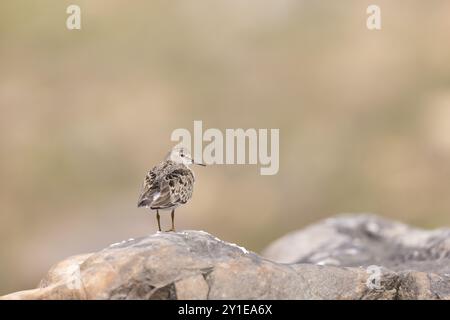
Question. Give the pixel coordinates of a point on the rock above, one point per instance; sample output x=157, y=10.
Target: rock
x=190, y=265
x=330, y=260
x=363, y=240
x=419, y=260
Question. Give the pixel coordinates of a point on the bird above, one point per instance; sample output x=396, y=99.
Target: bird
x=169, y=184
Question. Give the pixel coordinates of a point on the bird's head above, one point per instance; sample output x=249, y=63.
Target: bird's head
x=182, y=155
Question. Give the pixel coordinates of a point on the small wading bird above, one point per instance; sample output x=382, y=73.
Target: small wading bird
x=169, y=184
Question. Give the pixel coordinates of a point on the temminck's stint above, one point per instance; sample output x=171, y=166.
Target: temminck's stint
x=169, y=184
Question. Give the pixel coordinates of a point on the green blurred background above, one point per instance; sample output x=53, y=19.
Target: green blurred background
x=364, y=118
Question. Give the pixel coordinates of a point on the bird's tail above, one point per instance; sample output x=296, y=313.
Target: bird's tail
x=144, y=202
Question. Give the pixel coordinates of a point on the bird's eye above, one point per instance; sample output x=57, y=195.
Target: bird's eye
x=182, y=155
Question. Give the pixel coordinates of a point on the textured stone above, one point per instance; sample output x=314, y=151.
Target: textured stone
x=330, y=260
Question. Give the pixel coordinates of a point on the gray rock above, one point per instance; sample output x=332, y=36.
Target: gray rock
x=363, y=240
x=330, y=260
x=418, y=259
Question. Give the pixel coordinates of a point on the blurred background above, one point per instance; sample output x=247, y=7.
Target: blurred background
x=364, y=118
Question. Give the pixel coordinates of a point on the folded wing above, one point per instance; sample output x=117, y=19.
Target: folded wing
x=175, y=188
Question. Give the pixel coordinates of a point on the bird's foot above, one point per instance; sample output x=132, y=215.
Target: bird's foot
x=171, y=230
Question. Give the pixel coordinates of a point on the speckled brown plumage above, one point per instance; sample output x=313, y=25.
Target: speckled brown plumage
x=172, y=182
x=169, y=184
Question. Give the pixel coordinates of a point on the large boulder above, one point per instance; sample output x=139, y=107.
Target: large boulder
x=364, y=240
x=359, y=257
x=418, y=259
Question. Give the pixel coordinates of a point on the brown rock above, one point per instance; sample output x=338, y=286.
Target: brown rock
x=333, y=261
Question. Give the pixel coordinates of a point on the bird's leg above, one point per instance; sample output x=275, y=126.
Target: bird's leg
x=158, y=218
x=172, y=214
x=173, y=219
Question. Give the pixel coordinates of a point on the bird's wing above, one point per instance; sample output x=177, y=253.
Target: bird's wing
x=149, y=188
x=175, y=188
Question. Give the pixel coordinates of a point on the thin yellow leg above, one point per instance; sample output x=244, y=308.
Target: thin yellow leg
x=158, y=218
x=173, y=219
x=172, y=214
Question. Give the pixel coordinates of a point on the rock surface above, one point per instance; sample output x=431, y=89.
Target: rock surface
x=333, y=259
x=418, y=260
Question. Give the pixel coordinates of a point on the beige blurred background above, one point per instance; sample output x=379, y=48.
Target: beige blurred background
x=364, y=118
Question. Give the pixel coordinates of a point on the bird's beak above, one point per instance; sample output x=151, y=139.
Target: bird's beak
x=198, y=163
